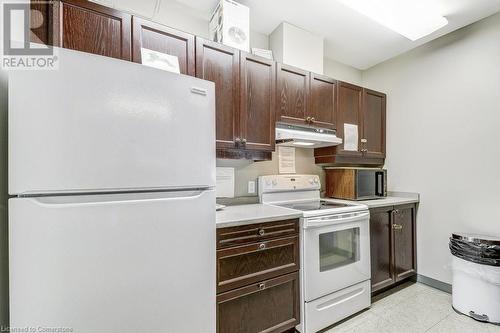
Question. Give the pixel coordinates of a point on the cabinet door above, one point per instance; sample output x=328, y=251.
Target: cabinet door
x=258, y=93
x=405, y=254
x=163, y=39
x=220, y=64
x=374, y=105
x=382, y=270
x=85, y=26
x=292, y=94
x=243, y=265
x=348, y=112
x=270, y=306
x=322, y=111
x=41, y=22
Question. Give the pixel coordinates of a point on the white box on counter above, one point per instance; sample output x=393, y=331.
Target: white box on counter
x=230, y=25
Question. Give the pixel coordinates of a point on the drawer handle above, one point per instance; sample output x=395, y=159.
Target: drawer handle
x=397, y=226
x=262, y=286
x=262, y=246
x=262, y=232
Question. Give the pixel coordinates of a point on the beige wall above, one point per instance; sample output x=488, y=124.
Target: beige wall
x=443, y=119
x=342, y=72
x=248, y=170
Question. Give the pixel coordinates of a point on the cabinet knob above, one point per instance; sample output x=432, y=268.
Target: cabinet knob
x=308, y=119
x=262, y=286
x=364, y=150
x=244, y=141
x=262, y=232
x=364, y=140
x=262, y=246
x=237, y=140
x=313, y=119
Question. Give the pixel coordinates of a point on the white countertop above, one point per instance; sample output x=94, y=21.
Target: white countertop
x=392, y=199
x=236, y=215
x=388, y=201
x=232, y=216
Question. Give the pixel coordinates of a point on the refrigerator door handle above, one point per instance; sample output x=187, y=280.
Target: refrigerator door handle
x=113, y=199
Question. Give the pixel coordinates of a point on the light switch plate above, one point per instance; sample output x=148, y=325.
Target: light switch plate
x=251, y=187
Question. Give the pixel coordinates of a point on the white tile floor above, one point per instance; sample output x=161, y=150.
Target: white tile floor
x=413, y=308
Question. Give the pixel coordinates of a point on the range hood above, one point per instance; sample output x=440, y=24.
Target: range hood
x=305, y=136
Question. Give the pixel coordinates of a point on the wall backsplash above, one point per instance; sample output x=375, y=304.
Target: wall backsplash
x=247, y=170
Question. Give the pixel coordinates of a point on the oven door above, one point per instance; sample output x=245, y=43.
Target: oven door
x=336, y=253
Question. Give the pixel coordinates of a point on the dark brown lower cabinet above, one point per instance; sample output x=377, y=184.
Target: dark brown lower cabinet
x=392, y=245
x=258, y=278
x=242, y=265
x=270, y=306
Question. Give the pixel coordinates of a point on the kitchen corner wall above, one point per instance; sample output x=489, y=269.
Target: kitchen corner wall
x=246, y=171
x=4, y=256
x=342, y=72
x=443, y=119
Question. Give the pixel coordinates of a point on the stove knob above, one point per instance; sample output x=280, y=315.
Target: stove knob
x=316, y=181
x=311, y=181
x=275, y=182
x=268, y=182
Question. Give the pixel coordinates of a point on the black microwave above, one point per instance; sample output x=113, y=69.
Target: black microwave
x=356, y=183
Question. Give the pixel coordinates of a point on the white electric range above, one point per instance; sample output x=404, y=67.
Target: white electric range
x=335, y=249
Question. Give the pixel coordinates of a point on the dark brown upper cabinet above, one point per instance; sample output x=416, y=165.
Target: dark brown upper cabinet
x=86, y=26
x=220, y=64
x=374, y=108
x=366, y=109
x=349, y=112
x=257, y=97
x=323, y=101
x=392, y=244
x=163, y=39
x=305, y=98
x=292, y=94
x=245, y=90
x=41, y=22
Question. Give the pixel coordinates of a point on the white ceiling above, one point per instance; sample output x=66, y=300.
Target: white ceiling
x=350, y=37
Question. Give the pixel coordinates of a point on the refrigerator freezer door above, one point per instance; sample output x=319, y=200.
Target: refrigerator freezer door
x=101, y=124
x=114, y=263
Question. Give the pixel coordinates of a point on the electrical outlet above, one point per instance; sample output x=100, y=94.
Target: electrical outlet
x=251, y=187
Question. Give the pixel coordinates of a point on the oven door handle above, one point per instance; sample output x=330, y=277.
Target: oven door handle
x=325, y=221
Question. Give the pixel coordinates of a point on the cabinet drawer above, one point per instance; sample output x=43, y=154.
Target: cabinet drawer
x=271, y=306
x=246, y=264
x=256, y=232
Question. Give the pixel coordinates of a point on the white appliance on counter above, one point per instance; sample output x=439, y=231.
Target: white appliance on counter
x=335, y=249
x=104, y=170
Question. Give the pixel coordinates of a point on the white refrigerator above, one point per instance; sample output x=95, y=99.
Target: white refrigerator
x=112, y=214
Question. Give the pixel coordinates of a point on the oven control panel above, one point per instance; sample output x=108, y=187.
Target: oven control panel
x=288, y=183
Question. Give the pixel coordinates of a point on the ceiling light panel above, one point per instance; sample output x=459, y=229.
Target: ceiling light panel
x=412, y=19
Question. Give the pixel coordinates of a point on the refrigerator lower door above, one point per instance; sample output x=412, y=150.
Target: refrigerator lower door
x=114, y=263
x=102, y=124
